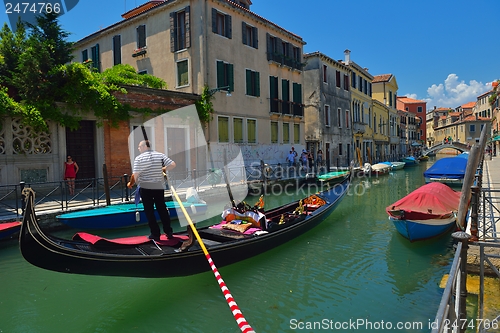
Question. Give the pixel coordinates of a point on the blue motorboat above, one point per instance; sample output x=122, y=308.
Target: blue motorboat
x=448, y=170
x=122, y=215
x=410, y=160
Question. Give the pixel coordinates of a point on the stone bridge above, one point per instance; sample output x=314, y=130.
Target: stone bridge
x=455, y=145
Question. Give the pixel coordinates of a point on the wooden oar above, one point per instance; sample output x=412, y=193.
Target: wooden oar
x=238, y=316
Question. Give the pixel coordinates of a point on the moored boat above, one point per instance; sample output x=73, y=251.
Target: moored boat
x=179, y=256
x=410, y=160
x=380, y=169
x=333, y=176
x=448, y=170
x=122, y=215
x=9, y=228
x=395, y=165
x=427, y=212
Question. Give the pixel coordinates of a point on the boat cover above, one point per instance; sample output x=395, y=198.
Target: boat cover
x=448, y=167
x=430, y=201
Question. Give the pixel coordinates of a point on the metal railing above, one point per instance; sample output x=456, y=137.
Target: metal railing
x=55, y=196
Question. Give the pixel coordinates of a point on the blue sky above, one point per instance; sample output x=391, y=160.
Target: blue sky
x=445, y=53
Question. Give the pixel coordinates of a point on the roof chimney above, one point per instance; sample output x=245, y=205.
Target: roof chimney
x=347, y=58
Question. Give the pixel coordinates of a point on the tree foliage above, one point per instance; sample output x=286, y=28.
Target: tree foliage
x=38, y=82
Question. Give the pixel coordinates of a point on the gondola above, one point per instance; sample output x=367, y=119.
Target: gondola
x=180, y=256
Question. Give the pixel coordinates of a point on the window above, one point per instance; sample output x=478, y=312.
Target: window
x=286, y=133
x=223, y=128
x=141, y=36
x=250, y=35
x=337, y=79
x=273, y=94
x=298, y=108
x=327, y=115
x=339, y=118
x=143, y=72
x=346, y=82
x=390, y=98
x=221, y=23
x=347, y=119
x=182, y=73
x=238, y=130
x=117, y=50
x=274, y=132
x=472, y=128
x=85, y=55
x=325, y=78
x=96, y=57
x=340, y=150
x=419, y=109
x=353, y=79
x=253, y=83
x=225, y=75
x=296, y=133
x=180, y=35
x=285, y=96
x=252, y=131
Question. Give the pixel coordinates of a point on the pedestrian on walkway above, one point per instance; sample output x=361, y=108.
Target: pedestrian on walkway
x=148, y=171
x=70, y=170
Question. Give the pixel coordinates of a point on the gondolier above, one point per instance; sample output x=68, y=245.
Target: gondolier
x=148, y=171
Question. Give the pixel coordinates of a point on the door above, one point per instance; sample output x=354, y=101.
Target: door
x=80, y=146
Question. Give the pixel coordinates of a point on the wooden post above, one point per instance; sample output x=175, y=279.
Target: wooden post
x=106, y=184
x=474, y=213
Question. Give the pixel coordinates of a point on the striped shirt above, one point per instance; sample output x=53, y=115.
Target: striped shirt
x=148, y=169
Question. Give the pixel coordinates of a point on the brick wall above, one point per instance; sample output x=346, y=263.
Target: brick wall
x=116, y=152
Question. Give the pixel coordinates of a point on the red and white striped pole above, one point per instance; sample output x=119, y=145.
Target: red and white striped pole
x=238, y=316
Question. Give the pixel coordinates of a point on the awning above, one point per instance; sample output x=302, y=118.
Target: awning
x=495, y=138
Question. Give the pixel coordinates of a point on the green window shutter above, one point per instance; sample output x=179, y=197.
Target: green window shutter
x=230, y=74
x=244, y=32
x=220, y=74
x=255, y=33
x=274, y=132
x=248, y=79
x=173, y=32
x=229, y=28
x=238, y=130
x=269, y=46
x=285, y=90
x=188, y=27
x=257, y=84
x=214, y=20
x=223, y=123
x=273, y=87
x=251, y=131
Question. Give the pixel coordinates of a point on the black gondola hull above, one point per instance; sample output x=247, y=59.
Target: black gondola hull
x=79, y=257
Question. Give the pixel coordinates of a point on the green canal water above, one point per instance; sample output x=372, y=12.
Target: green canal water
x=352, y=273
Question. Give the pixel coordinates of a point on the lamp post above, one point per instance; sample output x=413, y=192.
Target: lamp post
x=211, y=92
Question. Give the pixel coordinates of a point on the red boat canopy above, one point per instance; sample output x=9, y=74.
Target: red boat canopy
x=430, y=201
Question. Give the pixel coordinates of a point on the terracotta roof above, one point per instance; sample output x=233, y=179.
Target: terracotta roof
x=473, y=118
x=443, y=117
x=469, y=105
x=408, y=100
x=381, y=78
x=142, y=8
x=454, y=114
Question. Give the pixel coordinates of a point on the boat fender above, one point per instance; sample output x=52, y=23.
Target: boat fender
x=137, y=217
x=193, y=209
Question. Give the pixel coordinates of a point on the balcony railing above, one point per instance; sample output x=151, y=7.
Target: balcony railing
x=358, y=127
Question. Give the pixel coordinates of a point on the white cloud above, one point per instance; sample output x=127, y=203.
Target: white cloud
x=453, y=92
